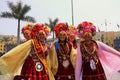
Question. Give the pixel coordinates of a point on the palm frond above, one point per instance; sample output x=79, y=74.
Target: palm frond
x=18, y=8
x=25, y=9
x=11, y=6
x=15, y=9
x=47, y=24
x=28, y=18
x=6, y=15
x=50, y=20
x=55, y=21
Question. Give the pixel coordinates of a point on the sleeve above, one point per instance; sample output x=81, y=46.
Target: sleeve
x=53, y=59
x=108, y=49
x=50, y=74
x=109, y=57
x=73, y=56
x=12, y=60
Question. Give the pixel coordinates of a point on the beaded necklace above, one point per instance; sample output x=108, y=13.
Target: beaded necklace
x=89, y=52
x=63, y=49
x=39, y=47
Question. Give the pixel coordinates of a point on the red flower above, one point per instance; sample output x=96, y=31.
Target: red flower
x=59, y=27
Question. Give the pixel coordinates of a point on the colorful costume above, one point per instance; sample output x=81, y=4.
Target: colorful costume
x=72, y=36
x=35, y=66
x=94, y=58
x=62, y=56
x=30, y=59
x=27, y=31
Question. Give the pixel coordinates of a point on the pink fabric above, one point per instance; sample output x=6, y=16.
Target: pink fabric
x=109, y=57
x=78, y=64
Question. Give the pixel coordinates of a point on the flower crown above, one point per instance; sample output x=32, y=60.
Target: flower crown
x=60, y=27
x=28, y=26
x=86, y=27
x=72, y=30
x=38, y=27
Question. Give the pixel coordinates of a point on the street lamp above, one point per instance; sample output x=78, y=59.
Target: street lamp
x=72, y=12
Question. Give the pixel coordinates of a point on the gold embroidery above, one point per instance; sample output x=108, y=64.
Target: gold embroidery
x=40, y=53
x=62, y=52
x=87, y=50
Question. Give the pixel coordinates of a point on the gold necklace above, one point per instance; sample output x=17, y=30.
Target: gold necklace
x=45, y=46
x=94, y=48
x=39, y=48
x=62, y=53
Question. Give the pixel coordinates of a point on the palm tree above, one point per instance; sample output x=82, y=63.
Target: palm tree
x=52, y=24
x=18, y=12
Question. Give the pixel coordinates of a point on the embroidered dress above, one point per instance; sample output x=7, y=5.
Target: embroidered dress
x=65, y=69
x=91, y=65
x=62, y=54
x=34, y=68
x=94, y=58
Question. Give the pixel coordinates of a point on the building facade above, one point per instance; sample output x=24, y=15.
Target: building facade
x=2, y=48
x=6, y=43
x=110, y=38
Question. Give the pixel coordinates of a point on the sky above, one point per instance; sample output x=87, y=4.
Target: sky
x=98, y=12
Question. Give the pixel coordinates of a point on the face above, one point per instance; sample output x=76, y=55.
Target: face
x=27, y=34
x=88, y=36
x=62, y=35
x=41, y=36
x=71, y=37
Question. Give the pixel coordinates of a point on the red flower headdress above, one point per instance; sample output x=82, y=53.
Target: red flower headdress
x=40, y=27
x=60, y=27
x=28, y=26
x=86, y=27
x=72, y=30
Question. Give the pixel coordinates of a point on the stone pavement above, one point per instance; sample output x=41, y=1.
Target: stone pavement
x=115, y=76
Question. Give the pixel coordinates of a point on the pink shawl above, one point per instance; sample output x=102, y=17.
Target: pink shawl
x=109, y=57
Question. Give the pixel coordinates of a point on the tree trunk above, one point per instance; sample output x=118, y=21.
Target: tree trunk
x=53, y=36
x=18, y=33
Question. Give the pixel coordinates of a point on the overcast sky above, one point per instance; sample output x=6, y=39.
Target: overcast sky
x=96, y=11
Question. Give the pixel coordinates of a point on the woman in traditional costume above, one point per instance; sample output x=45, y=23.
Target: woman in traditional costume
x=94, y=58
x=31, y=56
x=26, y=31
x=72, y=36
x=62, y=55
